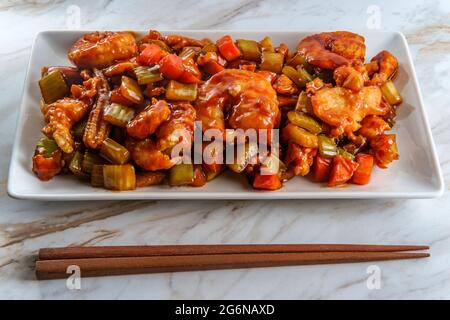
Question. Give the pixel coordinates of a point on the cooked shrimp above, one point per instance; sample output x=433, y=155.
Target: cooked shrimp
x=241, y=98
x=61, y=116
x=329, y=50
x=343, y=109
x=148, y=120
x=351, y=76
x=386, y=64
x=179, y=42
x=102, y=49
x=148, y=156
x=284, y=85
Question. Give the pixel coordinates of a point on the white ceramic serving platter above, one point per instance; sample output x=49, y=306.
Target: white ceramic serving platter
x=416, y=175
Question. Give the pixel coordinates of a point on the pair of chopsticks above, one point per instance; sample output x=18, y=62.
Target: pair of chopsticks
x=52, y=263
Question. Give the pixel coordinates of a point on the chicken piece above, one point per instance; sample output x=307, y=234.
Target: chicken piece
x=237, y=99
x=299, y=159
x=386, y=66
x=384, y=149
x=148, y=156
x=60, y=117
x=343, y=109
x=97, y=128
x=329, y=50
x=284, y=85
x=372, y=126
x=179, y=128
x=351, y=77
x=148, y=120
x=102, y=49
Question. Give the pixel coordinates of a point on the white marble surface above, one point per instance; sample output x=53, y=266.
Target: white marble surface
x=26, y=226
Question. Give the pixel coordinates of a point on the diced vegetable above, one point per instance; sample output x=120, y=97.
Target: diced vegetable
x=53, y=86
x=114, y=152
x=199, y=177
x=267, y=182
x=76, y=165
x=145, y=179
x=384, y=149
x=272, y=165
x=228, y=49
x=97, y=176
x=250, y=49
x=304, y=121
x=292, y=74
x=210, y=47
x=300, y=136
x=345, y=154
x=90, y=159
x=146, y=75
x=300, y=60
x=118, y=115
x=303, y=75
x=212, y=67
x=266, y=44
x=152, y=54
x=364, y=170
x=304, y=103
x=242, y=159
x=188, y=53
x=322, y=168
x=391, y=94
x=117, y=97
x=181, y=174
x=161, y=44
x=78, y=129
x=342, y=170
x=272, y=61
x=327, y=147
x=131, y=90
x=119, y=177
x=181, y=91
x=171, y=66
x=188, y=77
x=46, y=147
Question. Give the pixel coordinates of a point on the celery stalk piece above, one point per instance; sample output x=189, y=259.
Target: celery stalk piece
x=303, y=121
x=46, y=147
x=114, y=152
x=391, y=94
x=327, y=147
x=292, y=74
x=272, y=61
x=90, y=159
x=119, y=177
x=181, y=174
x=181, y=91
x=76, y=165
x=146, y=75
x=97, y=176
x=304, y=75
x=304, y=103
x=118, y=115
x=130, y=89
x=78, y=129
x=266, y=45
x=250, y=49
x=53, y=87
x=345, y=154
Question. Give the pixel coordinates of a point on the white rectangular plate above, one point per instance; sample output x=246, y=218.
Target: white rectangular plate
x=416, y=175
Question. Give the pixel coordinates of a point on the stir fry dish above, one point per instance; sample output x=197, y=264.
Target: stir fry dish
x=115, y=117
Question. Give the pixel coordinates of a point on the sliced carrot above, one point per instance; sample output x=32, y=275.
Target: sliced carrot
x=171, y=66
x=117, y=97
x=199, y=177
x=228, y=49
x=267, y=182
x=364, y=170
x=322, y=168
x=213, y=67
x=342, y=170
x=152, y=54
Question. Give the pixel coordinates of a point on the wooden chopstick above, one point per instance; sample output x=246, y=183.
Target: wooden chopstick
x=173, y=250
x=92, y=267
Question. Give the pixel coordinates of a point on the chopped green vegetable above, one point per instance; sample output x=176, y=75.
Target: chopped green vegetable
x=90, y=159
x=78, y=129
x=53, y=87
x=181, y=174
x=189, y=52
x=130, y=90
x=266, y=44
x=300, y=136
x=114, y=152
x=345, y=154
x=46, y=147
x=118, y=115
x=181, y=91
x=146, y=75
x=250, y=49
x=242, y=159
x=272, y=61
x=272, y=165
x=304, y=75
x=327, y=147
x=304, y=121
x=97, y=176
x=119, y=177
x=76, y=165
x=304, y=103
x=292, y=74
x=391, y=94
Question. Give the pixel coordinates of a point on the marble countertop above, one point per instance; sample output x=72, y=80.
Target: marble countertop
x=26, y=226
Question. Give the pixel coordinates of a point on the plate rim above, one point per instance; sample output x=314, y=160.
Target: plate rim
x=242, y=195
